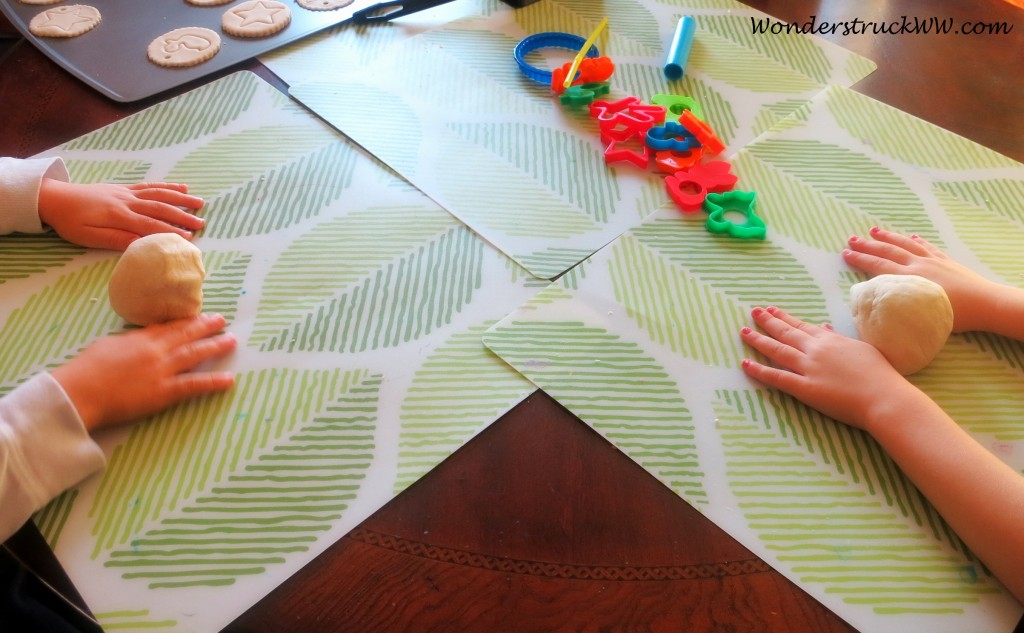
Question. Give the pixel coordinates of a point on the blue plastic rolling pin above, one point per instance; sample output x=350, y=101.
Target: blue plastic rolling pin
x=680, y=48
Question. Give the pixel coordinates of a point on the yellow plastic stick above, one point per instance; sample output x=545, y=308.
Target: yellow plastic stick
x=583, y=53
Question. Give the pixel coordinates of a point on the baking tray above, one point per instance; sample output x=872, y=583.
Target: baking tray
x=112, y=57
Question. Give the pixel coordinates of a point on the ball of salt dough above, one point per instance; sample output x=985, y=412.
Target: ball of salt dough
x=906, y=317
x=158, y=278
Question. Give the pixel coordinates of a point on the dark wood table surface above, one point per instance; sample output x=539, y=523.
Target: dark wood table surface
x=538, y=523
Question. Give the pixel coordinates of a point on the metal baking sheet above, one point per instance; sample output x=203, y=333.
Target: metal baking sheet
x=112, y=57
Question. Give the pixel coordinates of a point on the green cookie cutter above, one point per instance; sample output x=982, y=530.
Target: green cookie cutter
x=717, y=205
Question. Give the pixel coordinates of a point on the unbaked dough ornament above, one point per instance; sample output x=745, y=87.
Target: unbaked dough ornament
x=158, y=278
x=906, y=317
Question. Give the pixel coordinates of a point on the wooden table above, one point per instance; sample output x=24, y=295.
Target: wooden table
x=539, y=524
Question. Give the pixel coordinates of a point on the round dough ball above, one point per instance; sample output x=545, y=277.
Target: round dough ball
x=158, y=278
x=906, y=317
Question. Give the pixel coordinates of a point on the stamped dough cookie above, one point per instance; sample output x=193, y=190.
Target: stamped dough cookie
x=323, y=5
x=187, y=46
x=256, y=18
x=67, y=21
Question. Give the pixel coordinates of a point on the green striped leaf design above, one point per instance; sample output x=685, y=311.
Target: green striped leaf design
x=705, y=4
x=51, y=518
x=676, y=310
x=394, y=302
x=55, y=323
x=517, y=204
x=828, y=503
x=225, y=276
x=751, y=273
x=23, y=255
x=615, y=387
x=341, y=253
x=551, y=262
x=780, y=115
x=488, y=84
x=458, y=389
x=802, y=54
x=241, y=157
x=819, y=193
x=726, y=50
x=646, y=80
x=347, y=45
x=372, y=124
x=999, y=195
x=997, y=241
x=539, y=154
x=136, y=620
x=977, y=382
x=274, y=433
x=285, y=195
x=858, y=68
x=185, y=118
x=273, y=507
x=117, y=171
x=907, y=138
x=634, y=30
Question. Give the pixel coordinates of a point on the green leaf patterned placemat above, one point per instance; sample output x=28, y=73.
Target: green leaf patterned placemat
x=449, y=109
x=359, y=306
x=647, y=351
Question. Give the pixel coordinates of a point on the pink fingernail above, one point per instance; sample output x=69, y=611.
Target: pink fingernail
x=853, y=238
x=756, y=312
x=875, y=230
x=746, y=331
x=770, y=309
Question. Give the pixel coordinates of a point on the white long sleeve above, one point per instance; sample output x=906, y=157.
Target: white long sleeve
x=44, y=449
x=20, y=180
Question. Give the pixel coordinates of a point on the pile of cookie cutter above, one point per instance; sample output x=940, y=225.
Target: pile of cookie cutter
x=671, y=129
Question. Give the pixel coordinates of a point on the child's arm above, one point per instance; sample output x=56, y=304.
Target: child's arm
x=36, y=191
x=121, y=378
x=45, y=422
x=979, y=304
x=113, y=216
x=849, y=380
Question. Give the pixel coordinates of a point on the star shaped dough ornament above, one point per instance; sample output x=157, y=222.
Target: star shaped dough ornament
x=68, y=21
x=256, y=18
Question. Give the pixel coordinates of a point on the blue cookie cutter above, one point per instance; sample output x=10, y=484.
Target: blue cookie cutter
x=552, y=39
x=671, y=136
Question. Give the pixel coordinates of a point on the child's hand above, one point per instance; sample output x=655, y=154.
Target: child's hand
x=124, y=377
x=844, y=378
x=113, y=216
x=970, y=294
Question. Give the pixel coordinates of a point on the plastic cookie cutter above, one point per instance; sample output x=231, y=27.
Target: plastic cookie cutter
x=592, y=70
x=721, y=205
x=675, y=105
x=671, y=136
x=671, y=162
x=707, y=137
x=538, y=41
x=625, y=117
x=688, y=189
x=584, y=94
x=614, y=154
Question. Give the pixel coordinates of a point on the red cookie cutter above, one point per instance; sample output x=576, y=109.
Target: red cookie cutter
x=707, y=137
x=689, y=188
